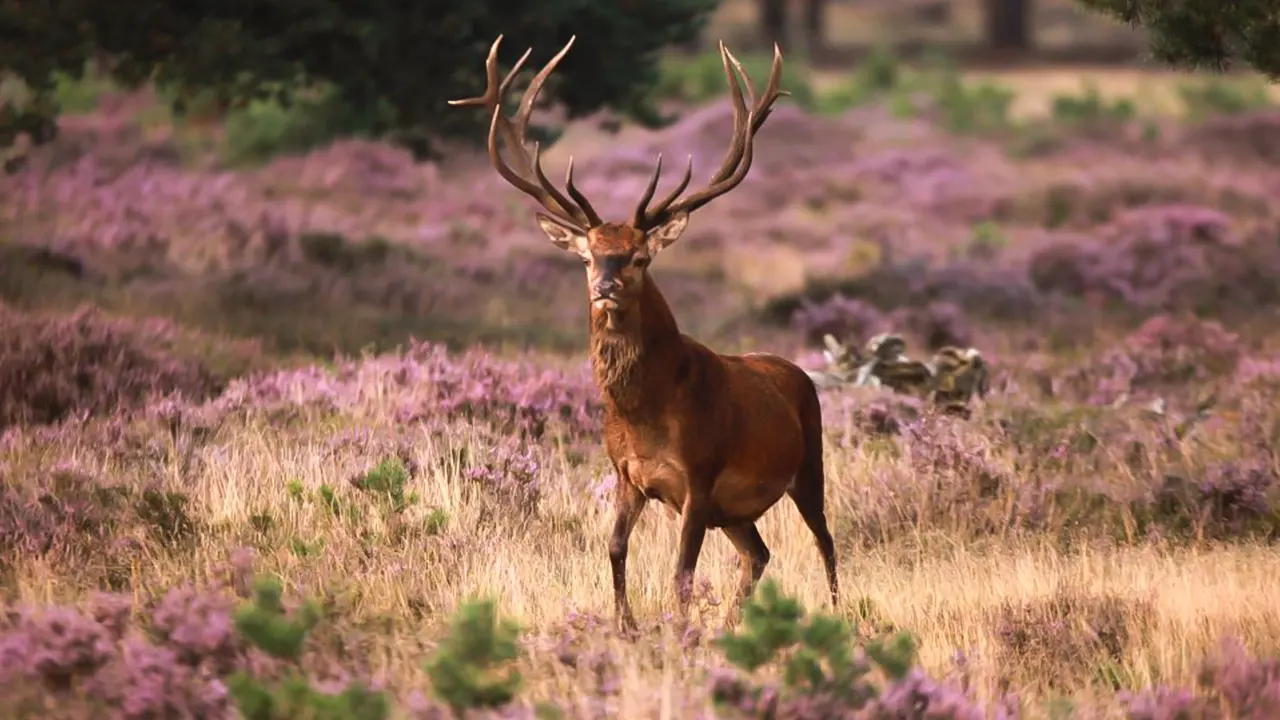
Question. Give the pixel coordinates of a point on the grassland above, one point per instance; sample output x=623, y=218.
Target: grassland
x=1104, y=520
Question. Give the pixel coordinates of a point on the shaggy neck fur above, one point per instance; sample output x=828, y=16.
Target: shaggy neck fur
x=621, y=357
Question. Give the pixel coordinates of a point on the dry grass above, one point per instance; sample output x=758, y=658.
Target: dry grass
x=1168, y=607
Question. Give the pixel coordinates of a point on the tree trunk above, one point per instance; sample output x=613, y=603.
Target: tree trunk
x=773, y=23
x=1009, y=24
x=815, y=23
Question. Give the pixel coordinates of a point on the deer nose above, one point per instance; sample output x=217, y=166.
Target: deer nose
x=605, y=289
x=603, y=294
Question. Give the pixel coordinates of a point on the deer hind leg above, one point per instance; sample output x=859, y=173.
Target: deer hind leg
x=753, y=556
x=629, y=504
x=808, y=494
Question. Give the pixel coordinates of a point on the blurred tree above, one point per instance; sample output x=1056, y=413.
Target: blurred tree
x=773, y=23
x=392, y=64
x=815, y=24
x=1205, y=34
x=1009, y=24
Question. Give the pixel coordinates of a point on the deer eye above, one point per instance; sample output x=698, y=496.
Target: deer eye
x=640, y=262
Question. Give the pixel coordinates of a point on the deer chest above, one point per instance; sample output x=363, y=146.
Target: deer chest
x=658, y=477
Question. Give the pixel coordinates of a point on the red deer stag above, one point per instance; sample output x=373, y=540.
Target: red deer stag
x=717, y=438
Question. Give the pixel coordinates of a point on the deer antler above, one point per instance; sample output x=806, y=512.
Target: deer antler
x=737, y=160
x=529, y=178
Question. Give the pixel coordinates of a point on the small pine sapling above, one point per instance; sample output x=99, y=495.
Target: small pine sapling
x=466, y=670
x=820, y=663
x=387, y=480
x=264, y=624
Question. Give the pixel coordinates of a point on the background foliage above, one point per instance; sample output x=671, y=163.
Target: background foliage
x=390, y=65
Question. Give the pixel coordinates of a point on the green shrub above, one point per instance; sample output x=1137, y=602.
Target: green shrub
x=816, y=656
x=80, y=95
x=466, y=671
x=1222, y=97
x=877, y=77
x=267, y=128
x=1089, y=107
x=400, y=62
x=264, y=624
x=980, y=108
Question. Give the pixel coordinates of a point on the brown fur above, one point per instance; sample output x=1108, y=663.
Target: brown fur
x=719, y=439
x=616, y=362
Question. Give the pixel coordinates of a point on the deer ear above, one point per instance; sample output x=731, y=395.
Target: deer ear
x=562, y=236
x=667, y=233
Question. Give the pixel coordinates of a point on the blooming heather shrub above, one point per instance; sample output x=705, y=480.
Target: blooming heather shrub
x=933, y=180
x=359, y=167
x=197, y=627
x=427, y=383
x=938, y=472
x=1232, y=684
x=86, y=363
x=1180, y=349
x=1165, y=354
x=64, y=662
x=1065, y=266
x=508, y=473
x=938, y=324
x=1170, y=257
x=577, y=645
x=1238, y=138
x=946, y=450
x=66, y=513
x=72, y=518
x=852, y=416
x=847, y=319
x=854, y=321
x=995, y=290
x=1230, y=499
x=1067, y=638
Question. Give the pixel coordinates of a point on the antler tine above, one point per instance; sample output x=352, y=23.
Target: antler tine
x=740, y=114
x=759, y=110
x=637, y=217
x=771, y=91
x=545, y=195
x=670, y=197
x=741, y=149
x=494, y=91
x=652, y=217
x=592, y=216
x=514, y=131
x=737, y=161
x=535, y=87
x=551, y=190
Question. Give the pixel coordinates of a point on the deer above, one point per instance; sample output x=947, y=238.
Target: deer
x=717, y=439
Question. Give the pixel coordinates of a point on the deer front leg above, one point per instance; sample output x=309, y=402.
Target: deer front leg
x=693, y=528
x=628, y=505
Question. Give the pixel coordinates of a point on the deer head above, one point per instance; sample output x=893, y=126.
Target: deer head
x=617, y=254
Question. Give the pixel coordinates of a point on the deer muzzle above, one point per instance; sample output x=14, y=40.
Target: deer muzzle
x=604, y=294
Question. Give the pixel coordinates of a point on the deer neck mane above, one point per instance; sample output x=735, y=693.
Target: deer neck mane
x=625, y=359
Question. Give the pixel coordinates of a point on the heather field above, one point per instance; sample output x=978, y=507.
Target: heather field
x=273, y=430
